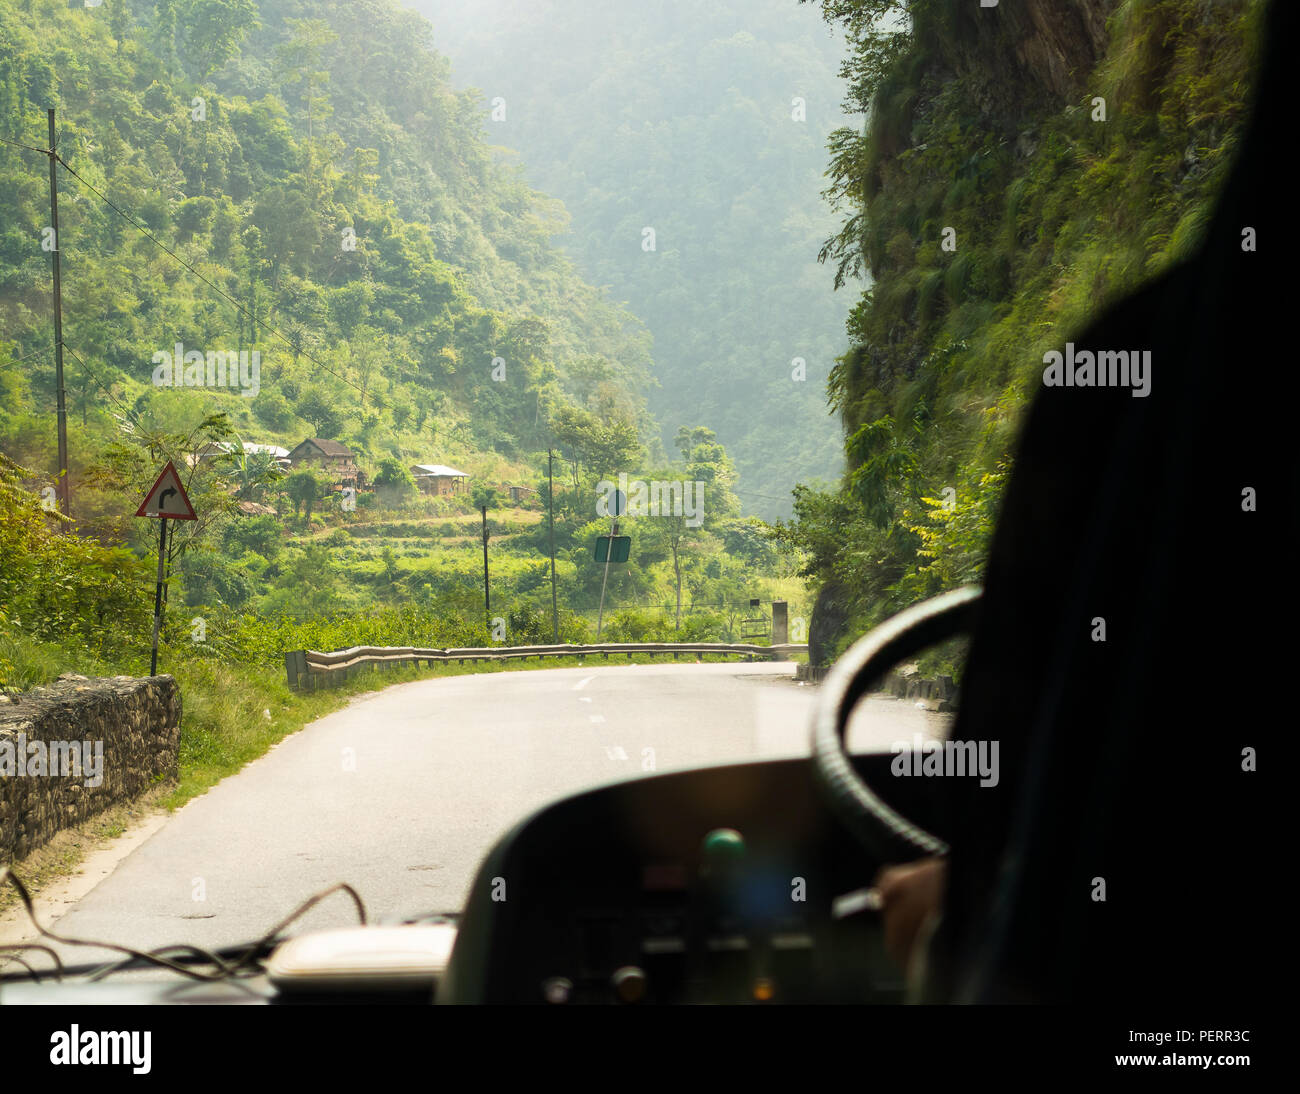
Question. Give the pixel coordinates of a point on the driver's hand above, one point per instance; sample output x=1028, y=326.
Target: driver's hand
x=910, y=896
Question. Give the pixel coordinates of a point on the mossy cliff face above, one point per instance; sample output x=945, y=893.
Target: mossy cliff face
x=1023, y=166
x=1049, y=45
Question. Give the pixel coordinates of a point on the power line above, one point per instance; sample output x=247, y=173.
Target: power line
x=291, y=343
x=29, y=147
x=130, y=414
x=752, y=494
x=253, y=318
x=294, y=345
x=20, y=360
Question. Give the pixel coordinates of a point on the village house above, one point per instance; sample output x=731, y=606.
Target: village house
x=334, y=459
x=437, y=478
x=213, y=449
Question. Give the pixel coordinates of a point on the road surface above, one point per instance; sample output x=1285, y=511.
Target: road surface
x=402, y=792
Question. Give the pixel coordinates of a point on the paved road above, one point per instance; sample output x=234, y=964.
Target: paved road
x=402, y=792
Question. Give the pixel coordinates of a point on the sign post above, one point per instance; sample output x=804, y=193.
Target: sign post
x=165, y=501
x=157, y=596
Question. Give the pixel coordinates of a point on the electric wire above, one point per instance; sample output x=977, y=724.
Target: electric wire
x=228, y=963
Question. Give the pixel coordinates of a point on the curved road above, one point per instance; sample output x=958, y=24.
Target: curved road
x=403, y=791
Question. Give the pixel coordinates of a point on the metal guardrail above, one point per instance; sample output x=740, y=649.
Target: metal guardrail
x=308, y=667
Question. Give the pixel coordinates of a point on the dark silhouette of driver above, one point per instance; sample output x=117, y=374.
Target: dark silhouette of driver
x=1126, y=854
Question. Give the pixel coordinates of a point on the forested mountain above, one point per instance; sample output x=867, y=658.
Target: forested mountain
x=1024, y=166
x=338, y=213
x=706, y=123
x=279, y=223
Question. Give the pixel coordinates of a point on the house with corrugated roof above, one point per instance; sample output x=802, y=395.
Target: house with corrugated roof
x=438, y=478
x=213, y=449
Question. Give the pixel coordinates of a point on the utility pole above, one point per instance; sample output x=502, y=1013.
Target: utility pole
x=487, y=600
x=550, y=499
x=62, y=412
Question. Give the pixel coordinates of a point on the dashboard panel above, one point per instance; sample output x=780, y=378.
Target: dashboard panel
x=719, y=885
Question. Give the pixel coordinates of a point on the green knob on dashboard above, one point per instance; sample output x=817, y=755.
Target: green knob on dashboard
x=723, y=844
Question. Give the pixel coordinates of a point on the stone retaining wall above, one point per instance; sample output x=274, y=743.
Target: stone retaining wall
x=132, y=723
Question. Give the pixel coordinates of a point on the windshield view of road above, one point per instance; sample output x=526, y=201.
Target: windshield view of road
x=402, y=793
x=587, y=502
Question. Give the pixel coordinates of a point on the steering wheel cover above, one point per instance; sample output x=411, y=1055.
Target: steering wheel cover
x=883, y=831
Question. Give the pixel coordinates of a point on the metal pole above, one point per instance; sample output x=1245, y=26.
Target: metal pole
x=62, y=411
x=487, y=599
x=600, y=616
x=157, y=596
x=555, y=611
x=613, y=531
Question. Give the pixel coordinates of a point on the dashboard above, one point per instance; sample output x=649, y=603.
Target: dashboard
x=719, y=885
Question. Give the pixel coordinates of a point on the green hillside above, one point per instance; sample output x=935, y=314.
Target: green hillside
x=1070, y=167
x=708, y=124
x=344, y=220
x=365, y=271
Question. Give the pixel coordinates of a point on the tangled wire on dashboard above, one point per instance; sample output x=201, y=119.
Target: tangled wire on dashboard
x=192, y=961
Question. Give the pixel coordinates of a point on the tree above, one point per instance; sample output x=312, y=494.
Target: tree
x=304, y=487
x=885, y=465
x=164, y=28
x=120, y=22
x=301, y=60
x=607, y=446
x=367, y=350
x=290, y=230
x=214, y=29
x=669, y=534
x=394, y=480
x=688, y=438
x=484, y=497
x=59, y=586
x=273, y=410
x=254, y=472
x=321, y=410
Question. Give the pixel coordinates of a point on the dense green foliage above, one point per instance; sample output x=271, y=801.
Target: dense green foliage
x=231, y=180
x=353, y=209
x=55, y=585
x=1056, y=213
x=681, y=117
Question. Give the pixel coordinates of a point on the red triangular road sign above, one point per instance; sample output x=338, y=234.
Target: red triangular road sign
x=167, y=498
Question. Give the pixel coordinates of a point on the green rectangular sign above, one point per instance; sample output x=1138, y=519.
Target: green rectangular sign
x=622, y=544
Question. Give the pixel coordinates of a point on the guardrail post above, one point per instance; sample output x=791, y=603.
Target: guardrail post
x=780, y=625
x=295, y=664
